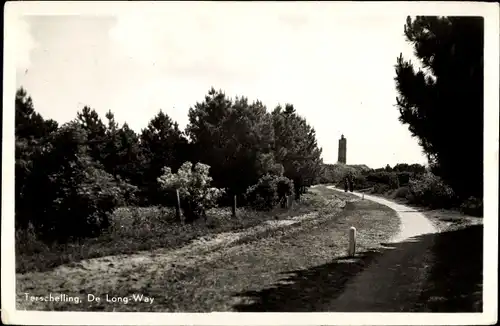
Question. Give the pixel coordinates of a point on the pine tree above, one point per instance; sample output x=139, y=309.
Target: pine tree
x=443, y=103
x=31, y=132
x=162, y=144
x=296, y=147
x=235, y=138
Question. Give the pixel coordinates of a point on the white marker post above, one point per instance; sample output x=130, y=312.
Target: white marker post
x=352, y=241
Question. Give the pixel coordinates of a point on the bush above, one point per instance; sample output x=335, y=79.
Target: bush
x=66, y=193
x=194, y=189
x=390, y=179
x=380, y=177
x=264, y=195
x=429, y=190
x=361, y=182
x=27, y=241
x=393, y=181
x=381, y=188
x=284, y=187
x=472, y=206
x=75, y=202
x=403, y=178
x=402, y=192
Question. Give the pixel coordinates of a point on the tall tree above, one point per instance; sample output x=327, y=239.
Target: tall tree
x=162, y=144
x=296, y=147
x=31, y=131
x=29, y=123
x=70, y=194
x=234, y=137
x=129, y=158
x=443, y=105
x=90, y=121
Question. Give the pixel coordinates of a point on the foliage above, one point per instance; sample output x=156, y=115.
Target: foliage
x=77, y=193
x=296, y=147
x=380, y=188
x=387, y=178
x=472, y=206
x=264, y=194
x=30, y=124
x=91, y=165
x=335, y=173
x=409, y=168
x=31, y=130
x=402, y=192
x=443, y=103
x=403, y=178
x=193, y=184
x=429, y=190
x=284, y=187
x=162, y=144
x=235, y=138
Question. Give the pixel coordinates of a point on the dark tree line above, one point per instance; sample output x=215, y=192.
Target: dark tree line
x=70, y=177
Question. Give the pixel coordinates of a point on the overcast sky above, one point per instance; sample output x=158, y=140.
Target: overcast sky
x=335, y=67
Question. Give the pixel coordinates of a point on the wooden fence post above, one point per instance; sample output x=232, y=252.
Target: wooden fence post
x=352, y=241
x=234, y=206
x=178, y=206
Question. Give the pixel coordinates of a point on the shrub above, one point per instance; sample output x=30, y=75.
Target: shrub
x=380, y=188
x=194, y=189
x=284, y=188
x=472, y=206
x=379, y=177
x=402, y=192
x=75, y=202
x=361, y=182
x=429, y=190
x=264, y=194
x=393, y=181
x=27, y=242
x=403, y=178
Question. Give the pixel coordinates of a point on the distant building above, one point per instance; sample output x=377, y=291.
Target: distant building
x=342, y=150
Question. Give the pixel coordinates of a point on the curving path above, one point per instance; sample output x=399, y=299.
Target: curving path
x=398, y=276
x=413, y=223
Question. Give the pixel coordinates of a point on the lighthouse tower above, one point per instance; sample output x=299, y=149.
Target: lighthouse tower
x=342, y=150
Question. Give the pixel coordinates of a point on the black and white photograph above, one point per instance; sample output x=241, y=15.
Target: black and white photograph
x=175, y=159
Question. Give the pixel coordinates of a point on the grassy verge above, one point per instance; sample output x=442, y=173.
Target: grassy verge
x=223, y=279
x=144, y=229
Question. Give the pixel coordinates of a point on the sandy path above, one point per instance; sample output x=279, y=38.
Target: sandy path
x=413, y=223
x=389, y=282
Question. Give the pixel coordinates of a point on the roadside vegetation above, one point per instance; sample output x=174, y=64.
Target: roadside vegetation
x=91, y=187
